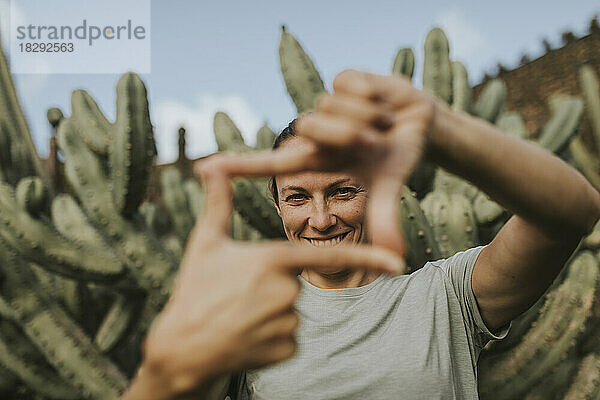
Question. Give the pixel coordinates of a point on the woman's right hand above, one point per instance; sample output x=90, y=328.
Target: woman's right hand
x=232, y=304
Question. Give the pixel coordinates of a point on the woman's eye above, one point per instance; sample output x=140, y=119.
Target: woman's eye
x=345, y=191
x=295, y=197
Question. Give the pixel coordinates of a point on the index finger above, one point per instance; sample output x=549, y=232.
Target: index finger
x=331, y=259
x=263, y=163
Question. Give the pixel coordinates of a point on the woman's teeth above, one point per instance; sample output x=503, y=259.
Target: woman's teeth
x=329, y=242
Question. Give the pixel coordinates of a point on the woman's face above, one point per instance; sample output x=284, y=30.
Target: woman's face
x=321, y=208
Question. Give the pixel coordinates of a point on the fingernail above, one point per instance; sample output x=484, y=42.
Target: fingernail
x=383, y=122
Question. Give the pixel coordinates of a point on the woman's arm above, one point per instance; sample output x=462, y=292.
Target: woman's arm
x=554, y=208
x=379, y=127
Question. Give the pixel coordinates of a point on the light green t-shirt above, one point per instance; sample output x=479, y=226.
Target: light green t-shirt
x=412, y=336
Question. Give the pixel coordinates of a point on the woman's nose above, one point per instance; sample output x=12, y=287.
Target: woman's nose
x=322, y=218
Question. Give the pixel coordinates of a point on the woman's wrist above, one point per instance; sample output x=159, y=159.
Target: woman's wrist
x=167, y=378
x=437, y=136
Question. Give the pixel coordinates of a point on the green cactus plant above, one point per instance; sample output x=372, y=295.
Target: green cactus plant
x=588, y=80
x=437, y=68
x=490, y=102
x=451, y=217
x=227, y=134
x=15, y=136
x=547, y=343
x=562, y=127
x=404, y=63
x=421, y=243
x=131, y=151
x=302, y=80
x=511, y=123
x=461, y=89
x=265, y=137
x=94, y=128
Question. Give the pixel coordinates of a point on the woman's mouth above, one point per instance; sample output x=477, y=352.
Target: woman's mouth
x=333, y=241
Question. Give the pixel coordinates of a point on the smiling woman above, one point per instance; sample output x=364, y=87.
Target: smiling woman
x=321, y=209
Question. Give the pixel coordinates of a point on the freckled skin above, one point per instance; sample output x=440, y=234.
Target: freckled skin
x=323, y=205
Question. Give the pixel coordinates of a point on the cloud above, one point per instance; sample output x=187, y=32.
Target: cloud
x=197, y=119
x=465, y=37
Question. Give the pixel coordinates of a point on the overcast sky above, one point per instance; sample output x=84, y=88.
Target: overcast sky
x=223, y=55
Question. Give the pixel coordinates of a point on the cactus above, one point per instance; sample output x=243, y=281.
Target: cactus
x=437, y=70
x=256, y=209
x=131, y=150
x=303, y=82
x=547, y=343
x=57, y=336
x=562, y=127
x=588, y=80
x=461, y=90
x=195, y=196
x=586, y=384
x=32, y=195
x=176, y=202
x=148, y=264
x=421, y=243
x=450, y=183
x=40, y=243
x=491, y=100
x=20, y=357
x=511, y=123
x=71, y=222
x=265, y=137
x=451, y=217
x=404, y=63
x=228, y=136
x=118, y=322
x=14, y=133
x=585, y=161
x=92, y=125
x=555, y=384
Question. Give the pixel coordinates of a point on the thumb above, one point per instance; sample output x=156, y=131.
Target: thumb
x=384, y=196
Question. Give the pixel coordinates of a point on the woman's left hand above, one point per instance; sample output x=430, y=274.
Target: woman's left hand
x=374, y=126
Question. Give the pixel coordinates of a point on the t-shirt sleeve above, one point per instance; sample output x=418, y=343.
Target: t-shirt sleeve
x=459, y=269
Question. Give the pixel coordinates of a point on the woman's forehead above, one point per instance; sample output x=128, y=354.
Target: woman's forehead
x=311, y=180
x=314, y=180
